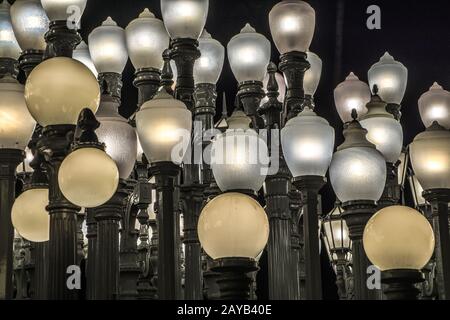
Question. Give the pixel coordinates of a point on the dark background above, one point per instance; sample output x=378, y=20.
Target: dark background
x=417, y=33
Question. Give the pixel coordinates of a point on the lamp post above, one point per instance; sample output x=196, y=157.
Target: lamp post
x=400, y=264
x=308, y=142
x=233, y=250
x=358, y=176
x=430, y=160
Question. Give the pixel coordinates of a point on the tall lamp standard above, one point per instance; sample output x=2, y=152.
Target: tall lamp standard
x=400, y=242
x=358, y=177
x=430, y=158
x=308, y=143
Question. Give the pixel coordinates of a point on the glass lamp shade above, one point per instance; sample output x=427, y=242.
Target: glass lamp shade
x=308, y=143
x=184, y=18
x=54, y=98
x=313, y=74
x=9, y=48
x=81, y=53
x=30, y=23
x=336, y=233
x=118, y=136
x=62, y=10
x=16, y=123
x=351, y=94
x=24, y=167
x=397, y=238
x=249, y=55
x=208, y=67
x=434, y=105
x=239, y=160
x=147, y=38
x=390, y=77
x=108, y=47
x=29, y=215
x=233, y=225
x=292, y=24
x=88, y=177
x=164, y=128
x=430, y=158
x=281, y=87
x=417, y=191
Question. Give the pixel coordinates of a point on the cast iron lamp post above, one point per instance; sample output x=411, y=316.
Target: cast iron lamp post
x=358, y=177
x=308, y=143
x=351, y=94
x=430, y=158
x=233, y=230
x=400, y=242
x=434, y=105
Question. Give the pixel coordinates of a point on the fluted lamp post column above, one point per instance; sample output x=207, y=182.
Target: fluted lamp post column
x=400, y=242
x=308, y=143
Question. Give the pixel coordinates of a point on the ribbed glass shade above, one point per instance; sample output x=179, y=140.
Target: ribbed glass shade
x=336, y=231
x=313, y=74
x=308, y=143
x=430, y=158
x=147, y=38
x=391, y=78
x=30, y=23
x=239, y=160
x=54, y=98
x=233, y=225
x=249, y=55
x=434, y=105
x=9, y=48
x=88, y=177
x=81, y=53
x=358, y=174
x=61, y=10
x=29, y=215
x=184, y=18
x=118, y=136
x=208, y=67
x=281, y=87
x=398, y=238
x=16, y=123
x=351, y=94
x=164, y=128
x=292, y=24
x=108, y=47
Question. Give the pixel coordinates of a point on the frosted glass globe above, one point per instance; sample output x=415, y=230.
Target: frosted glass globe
x=239, y=160
x=351, y=94
x=29, y=215
x=16, y=123
x=88, y=177
x=430, y=158
x=358, y=174
x=434, y=105
x=208, y=67
x=62, y=10
x=391, y=78
x=397, y=238
x=233, y=225
x=30, y=23
x=308, y=143
x=108, y=47
x=313, y=74
x=54, y=98
x=184, y=18
x=249, y=55
x=281, y=87
x=292, y=24
x=9, y=48
x=81, y=53
x=147, y=39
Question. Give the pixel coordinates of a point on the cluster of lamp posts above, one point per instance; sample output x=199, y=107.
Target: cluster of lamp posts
x=82, y=160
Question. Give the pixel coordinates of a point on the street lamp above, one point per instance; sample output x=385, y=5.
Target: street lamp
x=9, y=48
x=351, y=94
x=358, y=177
x=400, y=242
x=308, y=143
x=281, y=87
x=81, y=53
x=312, y=77
x=391, y=78
x=233, y=230
x=434, y=105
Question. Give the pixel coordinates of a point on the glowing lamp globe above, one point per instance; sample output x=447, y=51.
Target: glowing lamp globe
x=82, y=54
x=62, y=10
x=9, y=48
x=208, y=67
x=54, y=98
x=434, y=105
x=399, y=238
x=313, y=74
x=233, y=225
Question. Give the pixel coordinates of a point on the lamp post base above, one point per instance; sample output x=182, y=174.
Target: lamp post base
x=400, y=284
x=61, y=41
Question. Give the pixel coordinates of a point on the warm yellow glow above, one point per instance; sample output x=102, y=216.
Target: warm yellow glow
x=358, y=169
x=204, y=62
x=378, y=136
x=309, y=150
x=438, y=112
x=186, y=9
x=388, y=82
x=436, y=165
x=6, y=35
x=290, y=24
x=247, y=55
